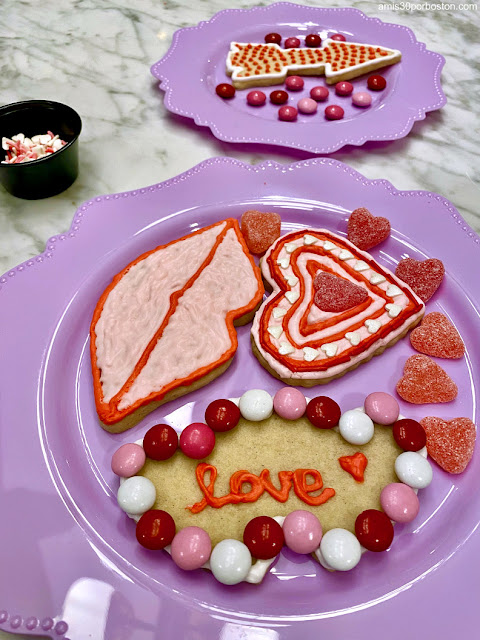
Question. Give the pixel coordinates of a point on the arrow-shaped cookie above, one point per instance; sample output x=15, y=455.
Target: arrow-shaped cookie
x=252, y=64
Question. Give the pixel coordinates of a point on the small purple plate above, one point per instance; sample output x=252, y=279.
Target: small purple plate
x=195, y=65
x=70, y=562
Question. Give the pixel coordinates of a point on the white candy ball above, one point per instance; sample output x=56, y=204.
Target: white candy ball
x=340, y=549
x=256, y=405
x=356, y=427
x=136, y=495
x=413, y=469
x=230, y=561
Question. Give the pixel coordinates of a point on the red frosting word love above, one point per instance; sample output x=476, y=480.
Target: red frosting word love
x=336, y=294
x=425, y=381
x=451, y=443
x=260, y=484
x=423, y=276
x=366, y=230
x=437, y=336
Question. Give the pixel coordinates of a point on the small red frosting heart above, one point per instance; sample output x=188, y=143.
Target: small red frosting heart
x=336, y=294
x=425, y=381
x=423, y=276
x=366, y=230
x=437, y=336
x=451, y=443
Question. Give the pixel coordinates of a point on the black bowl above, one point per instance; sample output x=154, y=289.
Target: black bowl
x=51, y=174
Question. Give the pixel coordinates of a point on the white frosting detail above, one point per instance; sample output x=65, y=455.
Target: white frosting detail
x=377, y=278
x=353, y=337
x=329, y=246
x=308, y=239
x=372, y=325
x=278, y=312
x=393, y=290
x=275, y=331
x=330, y=349
x=290, y=247
x=345, y=254
x=393, y=309
x=284, y=262
x=292, y=296
x=286, y=348
x=361, y=265
x=310, y=354
x=292, y=280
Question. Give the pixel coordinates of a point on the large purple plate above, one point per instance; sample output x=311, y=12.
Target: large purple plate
x=69, y=556
x=195, y=64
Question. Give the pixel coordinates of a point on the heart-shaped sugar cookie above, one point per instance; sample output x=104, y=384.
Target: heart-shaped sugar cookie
x=423, y=276
x=425, y=381
x=436, y=336
x=366, y=230
x=450, y=443
x=336, y=294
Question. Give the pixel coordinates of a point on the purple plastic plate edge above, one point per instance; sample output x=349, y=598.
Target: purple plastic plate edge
x=40, y=281
x=418, y=92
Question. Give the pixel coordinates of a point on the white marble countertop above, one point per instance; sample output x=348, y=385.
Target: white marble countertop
x=95, y=56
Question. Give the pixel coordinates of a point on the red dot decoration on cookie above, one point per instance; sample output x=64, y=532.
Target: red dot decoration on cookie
x=273, y=38
x=366, y=231
x=197, y=441
x=376, y=83
x=336, y=294
x=409, y=434
x=160, y=442
x=374, y=530
x=225, y=90
x=354, y=465
x=260, y=229
x=334, y=112
x=263, y=537
x=222, y=415
x=278, y=97
x=425, y=381
x=155, y=529
x=323, y=412
x=313, y=40
x=423, y=276
x=436, y=336
x=451, y=443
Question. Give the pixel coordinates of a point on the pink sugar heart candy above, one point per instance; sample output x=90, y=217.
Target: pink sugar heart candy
x=425, y=381
x=260, y=229
x=365, y=230
x=450, y=443
x=437, y=336
x=336, y=294
x=423, y=276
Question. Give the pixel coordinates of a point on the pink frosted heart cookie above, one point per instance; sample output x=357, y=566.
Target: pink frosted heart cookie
x=336, y=294
x=425, y=381
x=450, y=443
x=423, y=276
x=366, y=230
x=437, y=336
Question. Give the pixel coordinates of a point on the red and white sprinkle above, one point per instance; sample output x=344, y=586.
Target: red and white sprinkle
x=19, y=148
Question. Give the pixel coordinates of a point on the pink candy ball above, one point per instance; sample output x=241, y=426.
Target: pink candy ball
x=292, y=43
x=400, y=502
x=362, y=99
x=294, y=83
x=197, y=440
x=289, y=403
x=334, y=112
x=382, y=408
x=339, y=37
x=191, y=548
x=302, y=531
x=287, y=113
x=343, y=88
x=319, y=93
x=128, y=460
x=256, y=98
x=307, y=105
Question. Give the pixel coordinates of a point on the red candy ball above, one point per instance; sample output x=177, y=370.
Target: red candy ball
x=256, y=98
x=323, y=412
x=292, y=43
x=313, y=40
x=160, y=442
x=376, y=83
x=374, y=530
x=294, y=83
x=343, y=88
x=319, y=93
x=278, y=97
x=334, y=112
x=225, y=90
x=222, y=415
x=339, y=37
x=263, y=537
x=409, y=435
x=273, y=38
x=155, y=529
x=287, y=113
x=197, y=441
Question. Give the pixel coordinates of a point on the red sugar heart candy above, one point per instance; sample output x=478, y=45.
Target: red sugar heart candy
x=260, y=229
x=365, y=230
x=423, y=276
x=451, y=443
x=425, y=381
x=333, y=293
x=437, y=336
